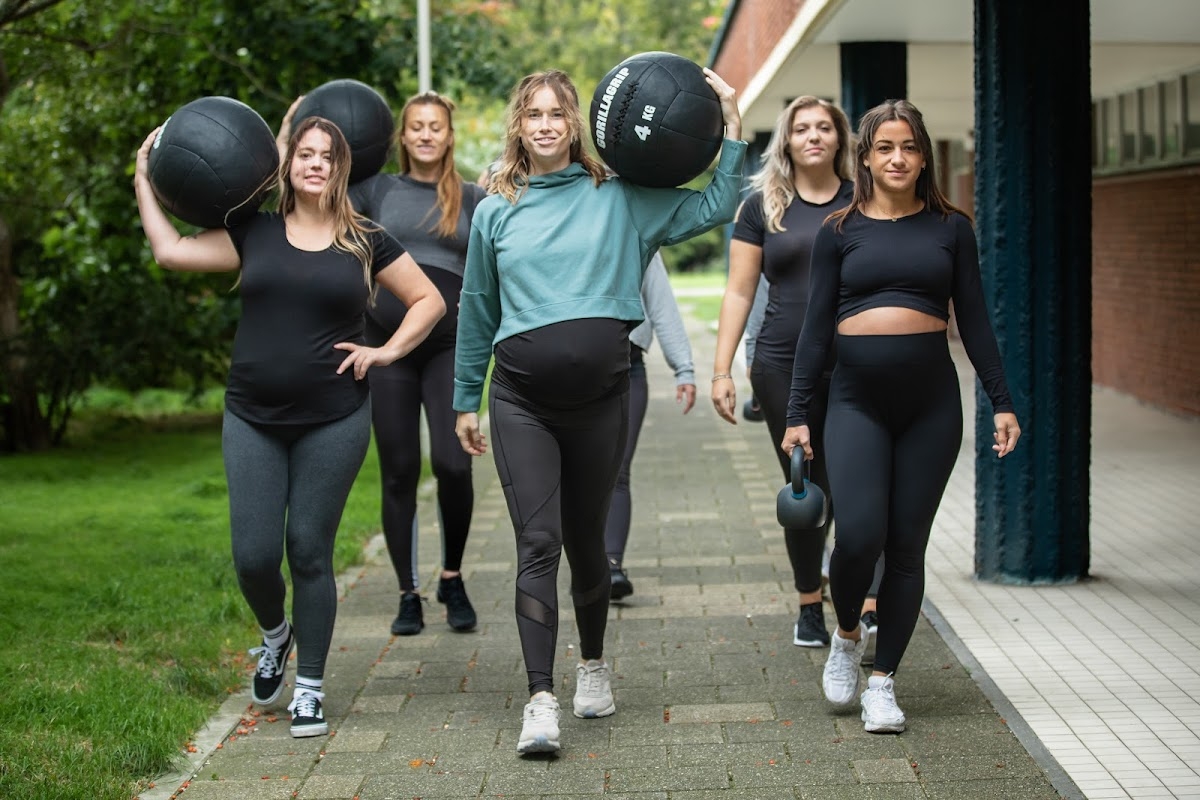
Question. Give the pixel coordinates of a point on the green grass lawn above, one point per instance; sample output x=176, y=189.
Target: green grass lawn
x=706, y=307
x=123, y=627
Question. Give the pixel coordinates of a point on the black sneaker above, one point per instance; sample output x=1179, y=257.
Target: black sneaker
x=272, y=663
x=810, y=628
x=409, y=621
x=622, y=587
x=308, y=718
x=459, y=613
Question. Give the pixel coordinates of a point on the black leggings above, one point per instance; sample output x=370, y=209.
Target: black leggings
x=620, y=513
x=894, y=428
x=805, y=548
x=558, y=467
x=424, y=377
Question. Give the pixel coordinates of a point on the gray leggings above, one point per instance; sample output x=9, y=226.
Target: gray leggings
x=288, y=485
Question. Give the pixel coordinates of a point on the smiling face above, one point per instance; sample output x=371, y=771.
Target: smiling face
x=813, y=138
x=895, y=158
x=427, y=135
x=546, y=132
x=312, y=164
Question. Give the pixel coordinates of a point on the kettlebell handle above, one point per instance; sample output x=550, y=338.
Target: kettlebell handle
x=800, y=472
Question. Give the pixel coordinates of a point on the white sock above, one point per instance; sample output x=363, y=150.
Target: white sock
x=877, y=681
x=276, y=638
x=307, y=686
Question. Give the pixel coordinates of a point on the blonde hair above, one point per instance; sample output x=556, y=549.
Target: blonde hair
x=350, y=228
x=449, y=183
x=927, y=188
x=776, y=178
x=512, y=176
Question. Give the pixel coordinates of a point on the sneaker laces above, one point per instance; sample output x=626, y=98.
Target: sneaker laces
x=304, y=704
x=268, y=662
x=591, y=678
x=538, y=710
x=844, y=665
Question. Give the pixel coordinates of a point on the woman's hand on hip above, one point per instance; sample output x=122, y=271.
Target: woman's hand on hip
x=466, y=428
x=362, y=358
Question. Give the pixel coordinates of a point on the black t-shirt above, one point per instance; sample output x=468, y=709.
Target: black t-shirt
x=923, y=262
x=296, y=305
x=785, y=263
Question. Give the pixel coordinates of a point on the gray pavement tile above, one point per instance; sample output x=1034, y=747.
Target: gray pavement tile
x=970, y=767
x=241, y=790
x=757, y=793
x=861, y=792
x=331, y=787
x=665, y=779
x=250, y=765
x=421, y=783
x=992, y=790
x=884, y=770
x=681, y=755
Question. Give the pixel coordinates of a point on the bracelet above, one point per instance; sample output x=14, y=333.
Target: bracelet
x=721, y=377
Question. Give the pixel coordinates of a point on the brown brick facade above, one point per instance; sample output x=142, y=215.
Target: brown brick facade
x=1146, y=287
x=753, y=33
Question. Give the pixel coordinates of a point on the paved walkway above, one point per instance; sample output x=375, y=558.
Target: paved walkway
x=1074, y=691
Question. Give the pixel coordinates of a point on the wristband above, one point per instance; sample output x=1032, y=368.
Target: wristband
x=721, y=377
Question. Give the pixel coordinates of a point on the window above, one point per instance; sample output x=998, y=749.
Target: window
x=1191, y=135
x=1150, y=126
x=1147, y=127
x=1129, y=127
x=1171, y=119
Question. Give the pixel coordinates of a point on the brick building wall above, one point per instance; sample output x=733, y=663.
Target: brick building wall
x=753, y=33
x=1146, y=287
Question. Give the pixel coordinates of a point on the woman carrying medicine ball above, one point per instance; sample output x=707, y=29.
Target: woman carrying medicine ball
x=297, y=411
x=554, y=271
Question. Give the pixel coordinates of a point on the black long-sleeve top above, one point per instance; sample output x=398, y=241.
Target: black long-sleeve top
x=922, y=262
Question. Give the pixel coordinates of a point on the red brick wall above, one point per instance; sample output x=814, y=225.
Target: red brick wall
x=1146, y=287
x=756, y=27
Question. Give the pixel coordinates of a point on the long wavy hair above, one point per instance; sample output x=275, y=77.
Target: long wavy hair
x=927, y=188
x=449, y=183
x=350, y=228
x=512, y=176
x=776, y=179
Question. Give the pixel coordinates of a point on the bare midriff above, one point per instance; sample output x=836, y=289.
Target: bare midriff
x=889, y=321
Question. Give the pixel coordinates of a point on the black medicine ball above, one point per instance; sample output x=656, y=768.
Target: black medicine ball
x=363, y=117
x=655, y=120
x=213, y=162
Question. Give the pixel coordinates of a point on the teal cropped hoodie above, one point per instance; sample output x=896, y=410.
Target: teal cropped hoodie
x=568, y=249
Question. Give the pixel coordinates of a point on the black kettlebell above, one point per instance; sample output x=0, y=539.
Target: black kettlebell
x=801, y=505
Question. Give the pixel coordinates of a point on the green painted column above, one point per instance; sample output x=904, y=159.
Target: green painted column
x=871, y=73
x=1033, y=188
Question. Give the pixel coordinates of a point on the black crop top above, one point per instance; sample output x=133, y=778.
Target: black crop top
x=921, y=262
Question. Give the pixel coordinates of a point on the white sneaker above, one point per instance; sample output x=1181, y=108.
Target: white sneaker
x=539, y=729
x=593, y=690
x=880, y=714
x=843, y=676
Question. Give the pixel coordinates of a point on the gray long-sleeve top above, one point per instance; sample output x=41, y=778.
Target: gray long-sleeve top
x=662, y=317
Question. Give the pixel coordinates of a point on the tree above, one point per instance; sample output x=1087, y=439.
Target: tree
x=80, y=301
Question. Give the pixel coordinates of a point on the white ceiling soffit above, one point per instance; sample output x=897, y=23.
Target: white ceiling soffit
x=1133, y=43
